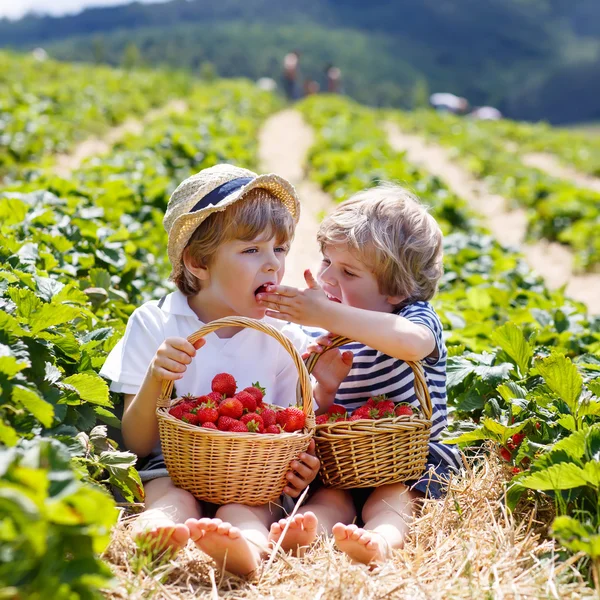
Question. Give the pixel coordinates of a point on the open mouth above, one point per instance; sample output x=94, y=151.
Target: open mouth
x=261, y=289
x=333, y=298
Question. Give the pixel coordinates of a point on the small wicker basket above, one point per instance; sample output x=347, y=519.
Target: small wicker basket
x=371, y=453
x=222, y=467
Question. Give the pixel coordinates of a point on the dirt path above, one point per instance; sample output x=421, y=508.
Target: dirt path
x=551, y=165
x=284, y=141
x=554, y=262
x=67, y=163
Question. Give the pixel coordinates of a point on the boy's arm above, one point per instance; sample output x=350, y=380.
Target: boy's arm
x=386, y=332
x=139, y=424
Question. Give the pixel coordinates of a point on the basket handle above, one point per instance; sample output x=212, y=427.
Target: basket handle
x=421, y=390
x=304, y=389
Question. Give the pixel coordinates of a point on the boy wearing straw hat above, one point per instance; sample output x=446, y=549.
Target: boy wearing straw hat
x=229, y=231
x=382, y=260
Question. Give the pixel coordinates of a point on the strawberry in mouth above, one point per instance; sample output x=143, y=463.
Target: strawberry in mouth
x=261, y=289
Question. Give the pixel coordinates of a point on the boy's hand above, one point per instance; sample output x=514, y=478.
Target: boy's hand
x=172, y=358
x=331, y=369
x=305, y=307
x=304, y=470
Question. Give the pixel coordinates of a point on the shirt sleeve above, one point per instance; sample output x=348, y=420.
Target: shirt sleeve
x=423, y=314
x=128, y=361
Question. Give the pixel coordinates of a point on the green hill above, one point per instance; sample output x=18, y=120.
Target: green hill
x=534, y=59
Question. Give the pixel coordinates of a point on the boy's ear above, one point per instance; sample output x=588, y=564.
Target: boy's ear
x=201, y=272
x=395, y=300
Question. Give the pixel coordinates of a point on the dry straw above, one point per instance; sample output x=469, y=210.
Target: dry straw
x=223, y=467
x=370, y=453
x=466, y=546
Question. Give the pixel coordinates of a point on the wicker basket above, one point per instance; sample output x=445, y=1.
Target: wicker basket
x=368, y=453
x=223, y=467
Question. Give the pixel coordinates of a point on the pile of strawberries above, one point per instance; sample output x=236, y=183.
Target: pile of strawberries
x=226, y=409
x=378, y=407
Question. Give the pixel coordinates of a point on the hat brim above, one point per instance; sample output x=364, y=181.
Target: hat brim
x=184, y=226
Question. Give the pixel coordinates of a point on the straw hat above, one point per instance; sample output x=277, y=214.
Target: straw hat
x=211, y=190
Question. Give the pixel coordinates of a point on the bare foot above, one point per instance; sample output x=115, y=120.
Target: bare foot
x=360, y=545
x=301, y=533
x=225, y=544
x=160, y=535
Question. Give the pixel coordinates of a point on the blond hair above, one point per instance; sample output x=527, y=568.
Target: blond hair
x=259, y=212
x=390, y=231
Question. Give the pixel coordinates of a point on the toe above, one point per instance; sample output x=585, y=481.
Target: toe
x=310, y=520
x=339, y=531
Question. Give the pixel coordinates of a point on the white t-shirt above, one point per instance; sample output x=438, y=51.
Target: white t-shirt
x=249, y=355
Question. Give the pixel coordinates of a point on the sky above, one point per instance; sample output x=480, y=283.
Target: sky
x=16, y=9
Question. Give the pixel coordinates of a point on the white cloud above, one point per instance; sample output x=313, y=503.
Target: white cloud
x=15, y=10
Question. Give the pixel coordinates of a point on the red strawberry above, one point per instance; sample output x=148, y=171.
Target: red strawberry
x=362, y=412
x=335, y=417
x=203, y=399
x=187, y=406
x=505, y=454
x=177, y=411
x=239, y=427
x=272, y=429
x=291, y=419
x=321, y=419
x=209, y=425
x=516, y=470
x=336, y=409
x=224, y=383
x=357, y=417
x=231, y=407
x=190, y=418
x=253, y=421
x=248, y=401
x=518, y=438
x=366, y=412
x=404, y=410
x=269, y=416
x=257, y=391
x=215, y=397
x=224, y=423
x=207, y=412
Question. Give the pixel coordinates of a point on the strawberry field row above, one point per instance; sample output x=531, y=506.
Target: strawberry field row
x=77, y=256
x=557, y=209
x=46, y=107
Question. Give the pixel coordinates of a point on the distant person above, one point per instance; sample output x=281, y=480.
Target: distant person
x=446, y=102
x=334, y=79
x=311, y=87
x=291, y=66
x=486, y=113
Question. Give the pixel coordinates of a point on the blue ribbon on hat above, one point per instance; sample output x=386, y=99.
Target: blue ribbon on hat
x=220, y=193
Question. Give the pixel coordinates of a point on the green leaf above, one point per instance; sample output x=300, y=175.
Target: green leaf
x=591, y=472
x=51, y=315
x=39, y=408
x=493, y=375
x=100, y=278
x=468, y=437
x=511, y=339
x=479, y=298
x=577, y=536
x=564, y=476
x=107, y=417
x=90, y=388
x=568, y=422
x=27, y=302
x=10, y=366
x=562, y=377
x=8, y=436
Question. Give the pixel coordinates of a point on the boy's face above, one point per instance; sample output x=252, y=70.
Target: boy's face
x=237, y=270
x=346, y=279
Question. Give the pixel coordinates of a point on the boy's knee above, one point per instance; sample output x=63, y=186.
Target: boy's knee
x=387, y=497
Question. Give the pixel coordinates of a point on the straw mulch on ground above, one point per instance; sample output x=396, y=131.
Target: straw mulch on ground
x=465, y=546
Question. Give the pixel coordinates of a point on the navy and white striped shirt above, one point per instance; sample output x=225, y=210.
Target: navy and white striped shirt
x=374, y=373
